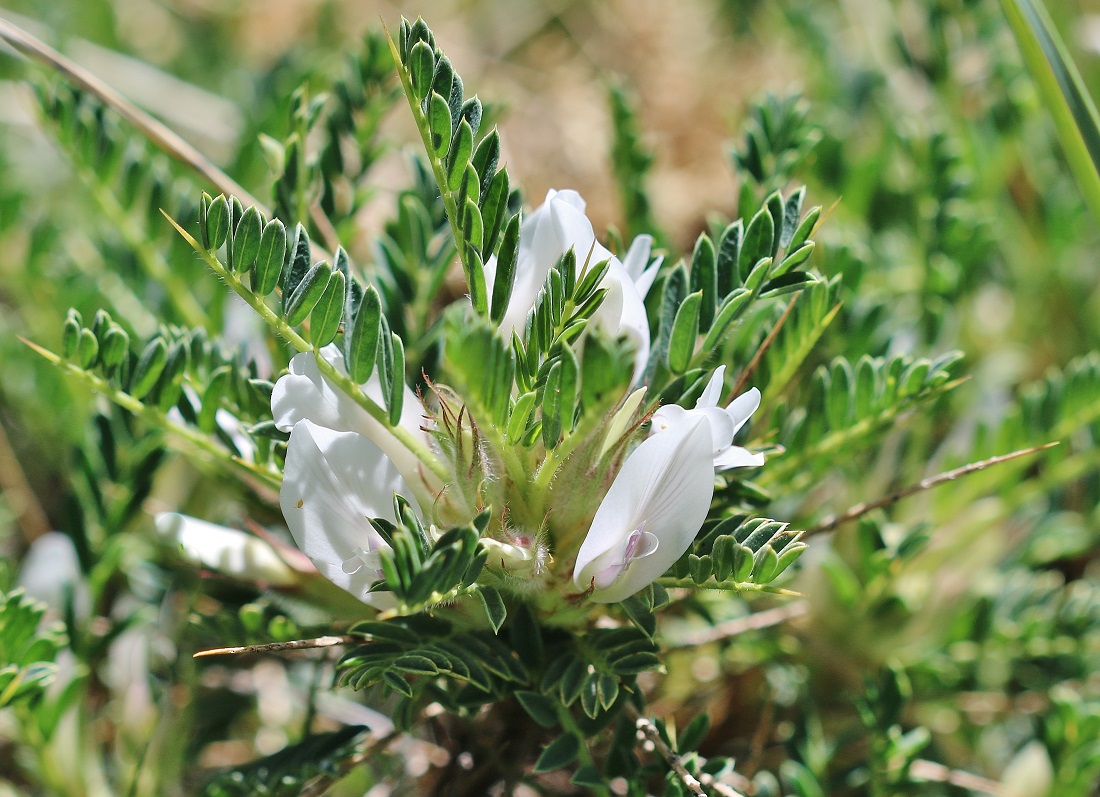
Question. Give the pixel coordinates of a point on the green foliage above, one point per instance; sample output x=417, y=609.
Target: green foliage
x=740, y=553
x=945, y=635
x=27, y=654
x=319, y=757
x=631, y=161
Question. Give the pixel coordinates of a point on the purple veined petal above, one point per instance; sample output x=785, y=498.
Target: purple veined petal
x=333, y=482
x=663, y=489
x=639, y=544
x=742, y=408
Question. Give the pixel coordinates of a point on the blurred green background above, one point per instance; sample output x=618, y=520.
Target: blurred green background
x=952, y=223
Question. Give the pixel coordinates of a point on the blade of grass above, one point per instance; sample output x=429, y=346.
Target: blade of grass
x=1062, y=91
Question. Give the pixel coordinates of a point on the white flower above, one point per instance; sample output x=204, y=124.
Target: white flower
x=51, y=571
x=724, y=423
x=637, y=265
x=304, y=394
x=226, y=550
x=651, y=514
x=333, y=482
x=547, y=234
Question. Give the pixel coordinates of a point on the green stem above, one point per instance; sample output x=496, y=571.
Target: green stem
x=477, y=291
x=671, y=582
x=1062, y=91
x=198, y=440
x=342, y=381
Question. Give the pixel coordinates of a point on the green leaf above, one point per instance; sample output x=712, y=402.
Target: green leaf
x=507, y=261
x=704, y=278
x=324, y=322
x=298, y=266
x=685, y=330
x=485, y=160
x=526, y=636
x=473, y=230
x=805, y=227
x=495, y=609
x=560, y=753
x=70, y=334
x=551, y=406
x=87, y=349
x=116, y=345
x=246, y=240
x=217, y=223
x=795, y=258
x=289, y=771
x=439, y=124
x=269, y=258
x=421, y=65
x=521, y=412
x=216, y=389
x=757, y=244
x=729, y=253
x=471, y=113
x=305, y=297
x=458, y=155
x=1063, y=92
x=539, y=707
x=397, y=683
x=361, y=346
x=396, y=398
x=149, y=368
x=588, y=776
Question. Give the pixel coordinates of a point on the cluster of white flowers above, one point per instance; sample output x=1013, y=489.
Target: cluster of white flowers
x=343, y=466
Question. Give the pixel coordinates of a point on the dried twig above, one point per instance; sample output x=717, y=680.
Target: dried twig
x=739, y=625
x=693, y=784
x=859, y=510
x=743, y=379
x=669, y=755
x=275, y=647
x=158, y=133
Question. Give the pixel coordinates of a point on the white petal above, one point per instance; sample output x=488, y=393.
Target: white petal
x=636, y=261
x=545, y=235
x=304, y=394
x=742, y=408
x=637, y=256
x=645, y=281
x=721, y=428
x=663, y=489
x=223, y=549
x=737, y=457
x=712, y=393
x=623, y=313
x=332, y=483
x=669, y=416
